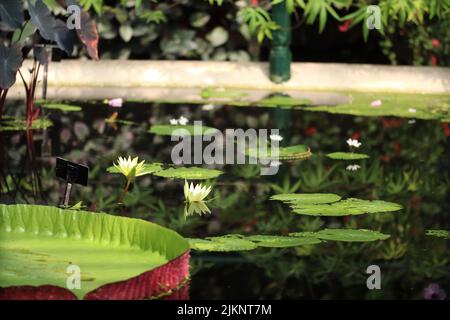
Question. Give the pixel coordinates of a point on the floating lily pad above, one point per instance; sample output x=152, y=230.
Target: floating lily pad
x=296, y=152
x=190, y=173
x=222, y=244
x=180, y=130
x=21, y=125
x=346, y=207
x=148, y=168
x=306, y=198
x=347, y=156
x=438, y=233
x=281, y=241
x=61, y=107
x=38, y=244
x=350, y=235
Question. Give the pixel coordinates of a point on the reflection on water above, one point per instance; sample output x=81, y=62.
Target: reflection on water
x=408, y=165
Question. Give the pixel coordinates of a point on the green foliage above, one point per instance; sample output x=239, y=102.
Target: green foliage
x=189, y=173
x=347, y=156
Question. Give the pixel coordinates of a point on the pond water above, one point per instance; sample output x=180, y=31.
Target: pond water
x=408, y=165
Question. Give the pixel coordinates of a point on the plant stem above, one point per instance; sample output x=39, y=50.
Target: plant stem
x=3, y=93
x=122, y=196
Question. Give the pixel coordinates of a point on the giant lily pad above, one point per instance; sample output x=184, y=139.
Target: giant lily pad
x=296, y=152
x=346, y=207
x=306, y=198
x=191, y=173
x=118, y=258
x=350, y=235
x=182, y=130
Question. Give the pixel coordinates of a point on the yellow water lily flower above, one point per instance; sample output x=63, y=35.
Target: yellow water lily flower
x=195, y=193
x=130, y=168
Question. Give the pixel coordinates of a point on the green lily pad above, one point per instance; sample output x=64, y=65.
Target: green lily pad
x=211, y=93
x=148, y=168
x=61, y=107
x=180, y=130
x=346, y=207
x=306, y=198
x=21, y=125
x=438, y=233
x=39, y=243
x=281, y=241
x=222, y=244
x=190, y=173
x=347, y=156
x=350, y=235
x=296, y=152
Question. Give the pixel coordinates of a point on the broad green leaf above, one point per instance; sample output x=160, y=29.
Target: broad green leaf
x=346, y=207
x=306, y=198
x=347, y=156
x=148, y=168
x=223, y=244
x=297, y=152
x=180, y=130
x=189, y=173
x=38, y=243
x=438, y=233
x=350, y=235
x=281, y=241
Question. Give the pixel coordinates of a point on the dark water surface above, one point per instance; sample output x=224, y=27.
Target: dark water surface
x=408, y=165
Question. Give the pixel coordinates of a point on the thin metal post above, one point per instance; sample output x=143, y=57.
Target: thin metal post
x=280, y=53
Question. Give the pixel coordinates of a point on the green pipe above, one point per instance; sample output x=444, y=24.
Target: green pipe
x=280, y=53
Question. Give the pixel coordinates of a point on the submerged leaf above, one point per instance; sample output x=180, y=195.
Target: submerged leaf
x=350, y=235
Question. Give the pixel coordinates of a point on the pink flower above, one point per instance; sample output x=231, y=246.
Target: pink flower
x=436, y=43
x=376, y=103
x=116, y=103
x=434, y=292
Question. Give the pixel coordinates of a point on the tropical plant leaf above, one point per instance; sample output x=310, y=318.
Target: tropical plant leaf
x=39, y=243
x=11, y=14
x=346, y=207
x=349, y=235
x=270, y=241
x=221, y=244
x=347, y=156
x=49, y=27
x=181, y=130
x=306, y=198
x=438, y=233
x=10, y=61
x=22, y=34
x=189, y=173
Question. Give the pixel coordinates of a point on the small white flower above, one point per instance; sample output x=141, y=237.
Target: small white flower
x=412, y=110
x=353, y=143
x=275, y=163
x=376, y=103
x=411, y=121
x=183, y=121
x=195, y=194
x=353, y=167
x=173, y=122
x=275, y=137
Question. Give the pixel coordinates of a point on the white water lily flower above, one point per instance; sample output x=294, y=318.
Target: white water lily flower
x=353, y=143
x=412, y=110
x=173, y=121
x=275, y=137
x=197, y=193
x=353, y=167
x=208, y=107
x=130, y=168
x=183, y=121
